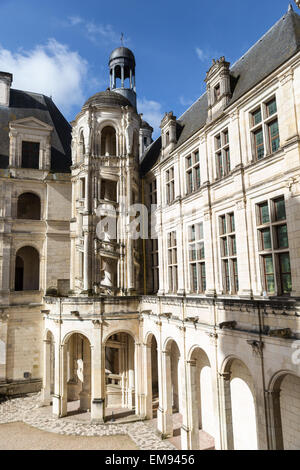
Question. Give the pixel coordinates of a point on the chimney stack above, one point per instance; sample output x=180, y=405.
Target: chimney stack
x=5, y=84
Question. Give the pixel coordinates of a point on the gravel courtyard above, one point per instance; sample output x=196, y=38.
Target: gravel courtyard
x=21, y=436
x=25, y=424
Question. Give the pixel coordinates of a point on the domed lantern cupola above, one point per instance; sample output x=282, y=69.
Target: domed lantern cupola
x=122, y=73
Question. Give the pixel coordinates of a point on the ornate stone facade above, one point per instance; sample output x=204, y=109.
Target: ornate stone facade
x=199, y=322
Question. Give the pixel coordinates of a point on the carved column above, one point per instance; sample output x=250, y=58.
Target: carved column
x=274, y=415
x=193, y=424
x=226, y=411
x=46, y=391
x=85, y=394
x=164, y=413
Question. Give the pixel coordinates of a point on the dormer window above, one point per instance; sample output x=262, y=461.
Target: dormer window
x=167, y=138
x=218, y=85
x=217, y=92
x=30, y=154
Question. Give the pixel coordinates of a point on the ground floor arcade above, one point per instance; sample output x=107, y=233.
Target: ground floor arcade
x=192, y=380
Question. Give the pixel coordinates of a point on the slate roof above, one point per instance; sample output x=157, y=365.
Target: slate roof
x=108, y=98
x=26, y=104
x=278, y=45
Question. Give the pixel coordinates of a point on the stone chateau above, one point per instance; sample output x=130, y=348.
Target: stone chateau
x=198, y=318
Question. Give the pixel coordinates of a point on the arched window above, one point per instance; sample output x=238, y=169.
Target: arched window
x=108, y=141
x=27, y=269
x=29, y=206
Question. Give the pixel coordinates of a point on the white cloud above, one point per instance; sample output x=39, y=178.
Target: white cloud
x=152, y=113
x=74, y=20
x=201, y=54
x=52, y=69
x=96, y=32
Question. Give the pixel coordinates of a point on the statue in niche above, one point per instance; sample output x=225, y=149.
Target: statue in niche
x=128, y=133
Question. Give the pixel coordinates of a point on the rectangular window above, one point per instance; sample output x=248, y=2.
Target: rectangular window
x=154, y=265
x=264, y=129
x=273, y=238
x=197, y=258
x=30, y=154
x=172, y=262
x=228, y=253
x=153, y=192
x=170, y=185
x=222, y=154
x=192, y=165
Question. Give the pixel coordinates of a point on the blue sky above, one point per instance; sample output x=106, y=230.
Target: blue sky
x=62, y=48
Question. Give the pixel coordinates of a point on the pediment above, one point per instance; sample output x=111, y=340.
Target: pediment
x=30, y=123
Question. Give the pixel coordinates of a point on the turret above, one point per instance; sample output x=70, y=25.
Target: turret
x=122, y=73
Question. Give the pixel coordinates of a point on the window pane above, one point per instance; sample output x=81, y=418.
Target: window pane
x=271, y=107
x=223, y=224
x=226, y=140
x=280, y=209
x=200, y=250
x=274, y=136
x=235, y=274
x=30, y=154
x=264, y=213
x=233, y=246
x=193, y=252
x=188, y=162
x=266, y=239
x=203, y=276
x=285, y=271
x=259, y=144
x=269, y=264
x=227, y=160
x=196, y=157
x=256, y=117
x=232, y=222
x=282, y=236
x=189, y=182
x=194, y=277
x=197, y=177
x=220, y=171
x=224, y=247
x=269, y=274
x=226, y=274
x=192, y=233
x=285, y=263
x=270, y=284
x=218, y=142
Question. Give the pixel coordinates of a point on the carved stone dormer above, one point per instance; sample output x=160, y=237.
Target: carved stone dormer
x=168, y=131
x=218, y=87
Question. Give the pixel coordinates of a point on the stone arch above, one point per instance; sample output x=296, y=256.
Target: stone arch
x=77, y=369
x=27, y=269
x=201, y=403
x=119, y=330
x=29, y=206
x=73, y=332
x=108, y=141
x=239, y=405
x=284, y=410
x=152, y=388
x=120, y=370
x=172, y=371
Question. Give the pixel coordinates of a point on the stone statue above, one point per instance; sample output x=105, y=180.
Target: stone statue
x=128, y=134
